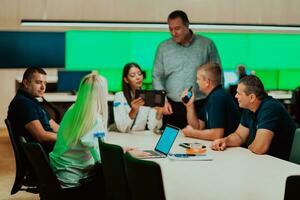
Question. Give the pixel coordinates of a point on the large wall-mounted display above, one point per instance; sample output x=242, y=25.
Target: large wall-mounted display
x=23, y=49
x=274, y=57
x=109, y=51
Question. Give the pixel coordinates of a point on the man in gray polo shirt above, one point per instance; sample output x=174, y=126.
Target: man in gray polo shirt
x=176, y=63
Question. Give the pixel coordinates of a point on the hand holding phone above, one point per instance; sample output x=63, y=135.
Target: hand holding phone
x=188, y=96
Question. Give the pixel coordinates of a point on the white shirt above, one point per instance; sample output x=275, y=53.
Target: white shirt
x=71, y=164
x=145, y=116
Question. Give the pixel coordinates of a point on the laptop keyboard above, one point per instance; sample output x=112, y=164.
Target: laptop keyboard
x=154, y=153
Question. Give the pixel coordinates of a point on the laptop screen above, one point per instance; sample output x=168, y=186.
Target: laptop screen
x=167, y=139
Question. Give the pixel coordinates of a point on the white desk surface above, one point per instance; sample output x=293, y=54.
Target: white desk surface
x=234, y=174
x=280, y=94
x=66, y=97
x=50, y=79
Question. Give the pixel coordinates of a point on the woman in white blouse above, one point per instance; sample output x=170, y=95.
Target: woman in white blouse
x=129, y=113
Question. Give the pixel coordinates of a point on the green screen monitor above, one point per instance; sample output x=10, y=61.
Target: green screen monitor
x=269, y=78
x=289, y=79
x=109, y=51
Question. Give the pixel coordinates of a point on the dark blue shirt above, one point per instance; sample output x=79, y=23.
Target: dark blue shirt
x=220, y=111
x=23, y=109
x=273, y=116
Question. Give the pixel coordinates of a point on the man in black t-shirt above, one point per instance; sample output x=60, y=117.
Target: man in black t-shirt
x=27, y=116
x=265, y=127
x=219, y=115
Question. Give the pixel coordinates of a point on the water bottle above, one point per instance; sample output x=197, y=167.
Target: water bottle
x=100, y=134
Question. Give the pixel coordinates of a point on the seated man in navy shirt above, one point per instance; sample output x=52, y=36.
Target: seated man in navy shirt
x=27, y=116
x=219, y=116
x=265, y=127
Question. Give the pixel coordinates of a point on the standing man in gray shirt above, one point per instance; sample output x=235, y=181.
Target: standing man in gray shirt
x=176, y=63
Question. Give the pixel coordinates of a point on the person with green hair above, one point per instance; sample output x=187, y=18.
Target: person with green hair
x=76, y=151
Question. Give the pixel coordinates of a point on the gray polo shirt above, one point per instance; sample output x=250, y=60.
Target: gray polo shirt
x=175, y=66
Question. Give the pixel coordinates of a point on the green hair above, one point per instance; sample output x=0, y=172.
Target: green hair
x=91, y=103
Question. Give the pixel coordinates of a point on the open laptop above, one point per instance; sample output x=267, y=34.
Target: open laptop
x=164, y=143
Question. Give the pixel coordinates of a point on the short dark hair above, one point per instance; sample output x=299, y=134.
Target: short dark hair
x=30, y=71
x=253, y=86
x=181, y=14
x=241, y=69
x=213, y=72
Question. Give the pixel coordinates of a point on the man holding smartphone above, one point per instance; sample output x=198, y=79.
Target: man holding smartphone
x=176, y=63
x=220, y=115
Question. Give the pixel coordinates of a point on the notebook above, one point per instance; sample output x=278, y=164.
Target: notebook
x=164, y=143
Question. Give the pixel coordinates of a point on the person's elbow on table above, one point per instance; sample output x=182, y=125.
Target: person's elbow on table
x=258, y=150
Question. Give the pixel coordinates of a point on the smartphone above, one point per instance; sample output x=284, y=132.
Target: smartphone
x=185, y=145
x=187, y=97
x=189, y=145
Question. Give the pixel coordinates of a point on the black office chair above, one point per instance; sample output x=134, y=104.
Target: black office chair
x=295, y=151
x=144, y=178
x=52, y=110
x=292, y=188
x=49, y=186
x=111, y=118
x=25, y=178
x=114, y=171
x=295, y=105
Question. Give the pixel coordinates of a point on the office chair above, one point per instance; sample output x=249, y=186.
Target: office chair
x=48, y=184
x=292, y=188
x=144, y=178
x=25, y=178
x=52, y=110
x=295, y=105
x=111, y=118
x=114, y=171
x=295, y=151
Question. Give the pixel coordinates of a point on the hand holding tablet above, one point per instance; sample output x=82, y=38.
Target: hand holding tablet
x=152, y=98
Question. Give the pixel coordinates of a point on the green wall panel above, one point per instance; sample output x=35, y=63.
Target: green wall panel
x=109, y=51
x=289, y=79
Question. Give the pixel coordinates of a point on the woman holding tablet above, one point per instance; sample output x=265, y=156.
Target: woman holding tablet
x=129, y=112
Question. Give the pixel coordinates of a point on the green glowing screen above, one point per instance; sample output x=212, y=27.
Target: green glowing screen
x=274, y=57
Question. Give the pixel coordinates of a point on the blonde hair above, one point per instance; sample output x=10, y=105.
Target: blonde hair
x=90, y=103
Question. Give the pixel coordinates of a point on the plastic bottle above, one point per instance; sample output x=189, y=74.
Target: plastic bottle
x=100, y=134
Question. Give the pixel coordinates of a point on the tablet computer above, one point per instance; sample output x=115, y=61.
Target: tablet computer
x=152, y=98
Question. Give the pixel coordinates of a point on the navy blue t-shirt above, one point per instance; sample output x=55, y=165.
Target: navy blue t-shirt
x=23, y=109
x=220, y=111
x=273, y=116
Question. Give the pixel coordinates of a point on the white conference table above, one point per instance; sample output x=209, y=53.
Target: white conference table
x=234, y=174
x=281, y=94
x=66, y=97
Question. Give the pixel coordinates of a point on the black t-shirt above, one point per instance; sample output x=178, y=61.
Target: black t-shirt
x=23, y=109
x=273, y=116
x=220, y=111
